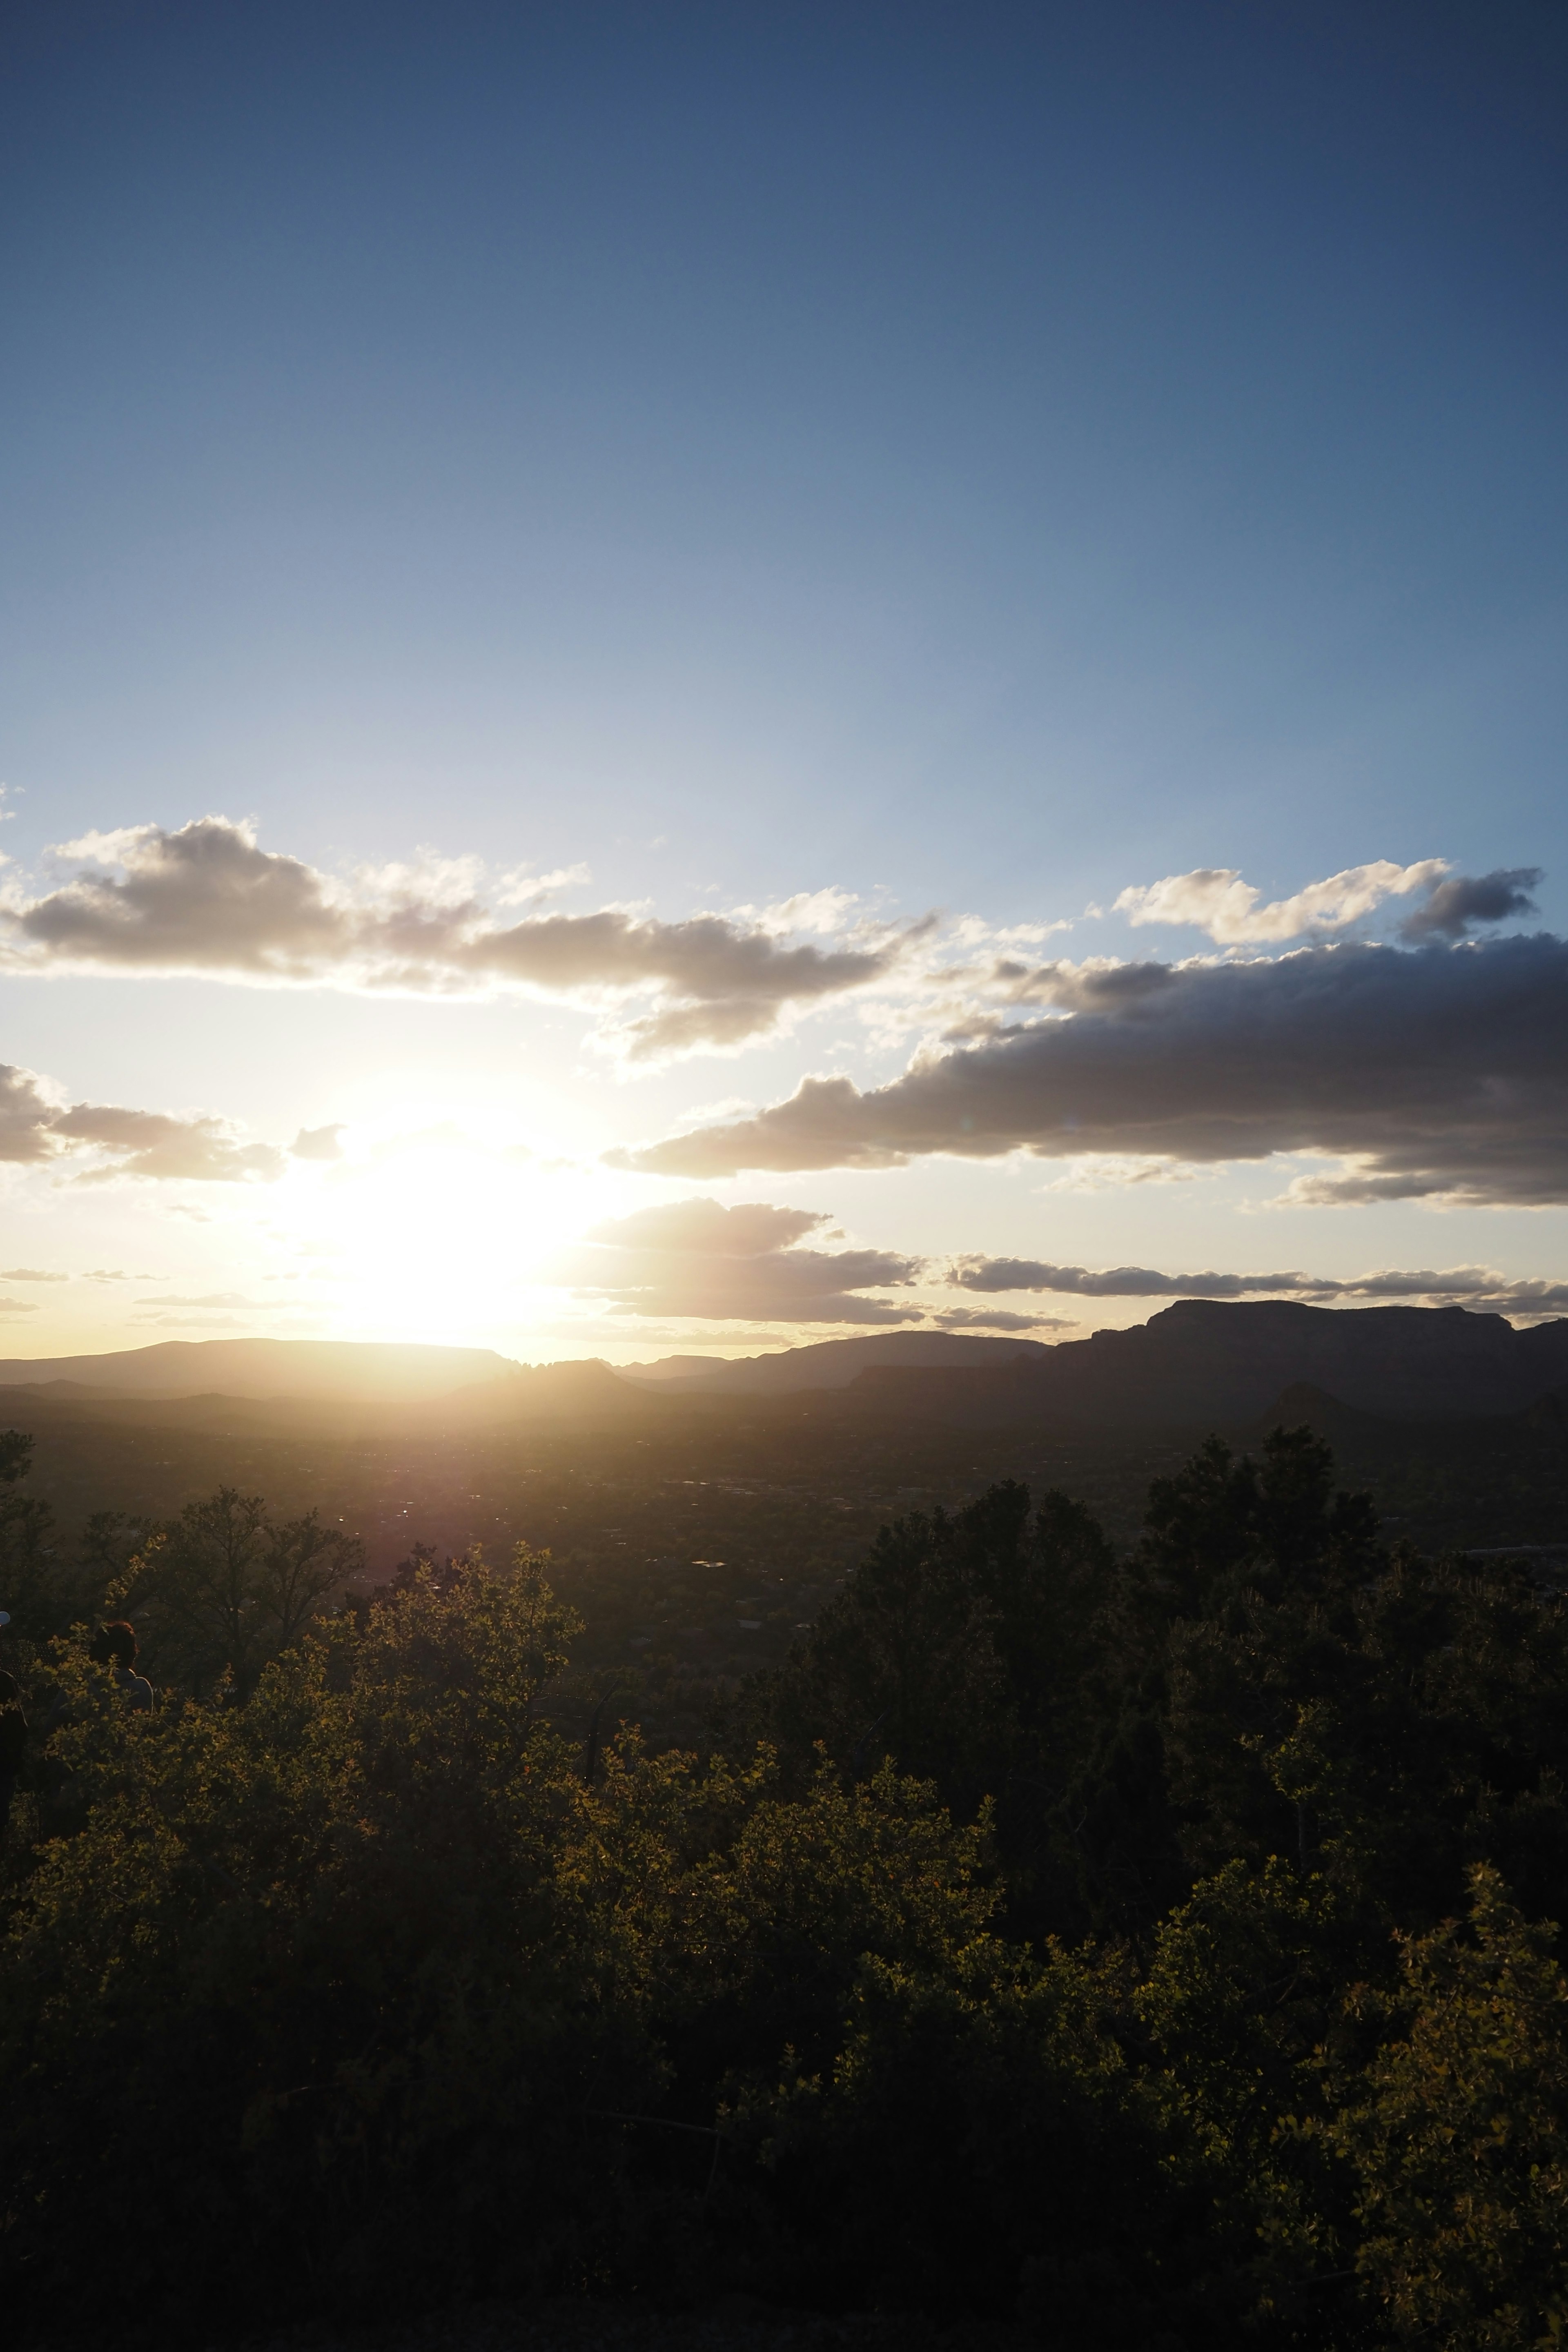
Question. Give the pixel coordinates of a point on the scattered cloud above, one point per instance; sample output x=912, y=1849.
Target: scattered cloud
x=38, y=1127
x=1468, y=1286
x=317, y=1143
x=699, y=1259
x=1464, y=900
x=207, y=899
x=1111, y=1172
x=149, y=1143
x=19, y=1305
x=1438, y=1073
x=29, y=1107
x=999, y=1318
x=29, y=1273
x=1214, y=898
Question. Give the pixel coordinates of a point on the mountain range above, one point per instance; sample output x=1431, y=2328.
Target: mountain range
x=1197, y=1361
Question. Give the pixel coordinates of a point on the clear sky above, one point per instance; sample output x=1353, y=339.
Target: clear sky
x=599, y=605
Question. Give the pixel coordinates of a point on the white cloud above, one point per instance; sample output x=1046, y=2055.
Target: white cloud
x=1214, y=898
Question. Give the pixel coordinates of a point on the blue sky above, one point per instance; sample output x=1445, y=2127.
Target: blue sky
x=972, y=459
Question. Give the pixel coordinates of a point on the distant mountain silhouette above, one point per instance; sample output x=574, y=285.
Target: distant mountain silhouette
x=346, y=1369
x=1198, y=1362
x=826, y=1363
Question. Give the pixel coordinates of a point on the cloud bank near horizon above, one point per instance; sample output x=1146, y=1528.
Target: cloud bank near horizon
x=698, y=1259
x=1475, y=1286
x=1432, y=1073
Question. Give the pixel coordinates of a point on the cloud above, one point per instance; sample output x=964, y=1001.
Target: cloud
x=19, y=1305
x=317, y=1143
x=36, y=1127
x=150, y=1143
x=28, y=1108
x=207, y=899
x=29, y=1273
x=1214, y=898
x=1437, y=1073
x=1465, y=899
x=1472, y=1285
x=999, y=1318
x=744, y=1263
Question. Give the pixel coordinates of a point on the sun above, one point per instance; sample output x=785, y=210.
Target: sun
x=440, y=1234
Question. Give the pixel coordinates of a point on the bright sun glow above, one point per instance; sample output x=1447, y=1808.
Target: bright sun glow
x=440, y=1235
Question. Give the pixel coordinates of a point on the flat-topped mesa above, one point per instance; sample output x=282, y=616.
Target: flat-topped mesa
x=1402, y=1360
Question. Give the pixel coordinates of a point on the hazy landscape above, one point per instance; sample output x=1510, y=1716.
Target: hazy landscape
x=698, y=1517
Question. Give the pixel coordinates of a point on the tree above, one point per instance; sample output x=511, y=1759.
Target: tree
x=223, y=1589
x=1459, y=2138
x=31, y=1584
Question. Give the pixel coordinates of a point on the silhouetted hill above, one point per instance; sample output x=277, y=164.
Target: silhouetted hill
x=1198, y=1362
x=825, y=1364
x=584, y=1394
x=266, y=1367
x=1203, y=1362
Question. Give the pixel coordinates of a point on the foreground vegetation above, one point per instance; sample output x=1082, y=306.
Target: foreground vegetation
x=1156, y=1947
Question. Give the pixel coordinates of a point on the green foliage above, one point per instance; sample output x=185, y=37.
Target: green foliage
x=344, y=1992
x=220, y=1590
x=30, y=1571
x=965, y=1648
x=1459, y=2136
x=1053, y=1937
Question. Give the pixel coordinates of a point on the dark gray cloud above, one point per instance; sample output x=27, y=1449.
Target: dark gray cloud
x=1470, y=1285
x=207, y=899
x=697, y=1259
x=1433, y=1071
x=1456, y=906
